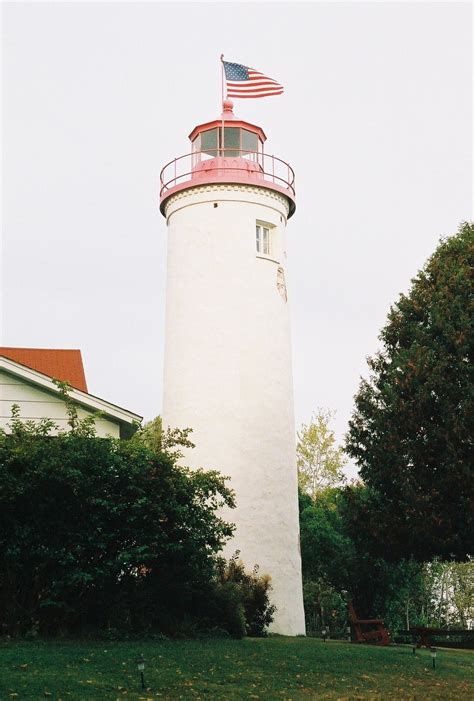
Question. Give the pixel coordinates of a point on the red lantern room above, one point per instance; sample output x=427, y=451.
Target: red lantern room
x=227, y=150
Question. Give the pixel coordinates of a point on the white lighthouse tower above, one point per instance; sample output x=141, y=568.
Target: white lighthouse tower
x=227, y=351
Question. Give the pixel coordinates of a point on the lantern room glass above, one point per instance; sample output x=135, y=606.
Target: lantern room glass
x=237, y=143
x=209, y=140
x=250, y=142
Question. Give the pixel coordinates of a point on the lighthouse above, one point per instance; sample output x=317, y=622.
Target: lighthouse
x=227, y=368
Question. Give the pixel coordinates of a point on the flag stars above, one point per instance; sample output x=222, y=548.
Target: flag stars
x=235, y=71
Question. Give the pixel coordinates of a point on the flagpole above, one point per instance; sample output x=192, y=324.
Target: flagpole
x=222, y=91
x=223, y=81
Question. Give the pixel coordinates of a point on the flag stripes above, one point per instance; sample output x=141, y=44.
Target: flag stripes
x=247, y=82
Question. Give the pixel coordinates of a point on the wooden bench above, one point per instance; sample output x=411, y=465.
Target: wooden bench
x=425, y=637
x=367, y=630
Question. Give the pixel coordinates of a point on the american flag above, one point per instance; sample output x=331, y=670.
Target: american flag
x=246, y=82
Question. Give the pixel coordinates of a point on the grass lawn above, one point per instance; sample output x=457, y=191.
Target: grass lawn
x=272, y=668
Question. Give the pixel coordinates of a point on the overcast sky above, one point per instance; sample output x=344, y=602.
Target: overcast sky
x=97, y=97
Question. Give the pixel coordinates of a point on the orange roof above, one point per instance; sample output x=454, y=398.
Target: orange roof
x=64, y=365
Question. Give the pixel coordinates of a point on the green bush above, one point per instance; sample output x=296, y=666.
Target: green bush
x=253, y=592
x=104, y=534
x=101, y=537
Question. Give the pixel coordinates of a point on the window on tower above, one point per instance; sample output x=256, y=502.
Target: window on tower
x=263, y=239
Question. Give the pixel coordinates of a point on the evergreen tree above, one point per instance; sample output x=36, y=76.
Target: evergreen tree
x=411, y=431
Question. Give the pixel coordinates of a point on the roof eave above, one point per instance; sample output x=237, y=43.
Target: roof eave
x=228, y=122
x=124, y=417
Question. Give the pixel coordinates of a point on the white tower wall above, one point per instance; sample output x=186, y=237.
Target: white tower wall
x=228, y=371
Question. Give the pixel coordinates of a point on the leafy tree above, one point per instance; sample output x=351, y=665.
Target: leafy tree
x=101, y=533
x=327, y=555
x=338, y=564
x=411, y=431
x=150, y=434
x=169, y=441
x=327, y=550
x=449, y=592
x=104, y=533
x=325, y=606
x=319, y=460
x=462, y=587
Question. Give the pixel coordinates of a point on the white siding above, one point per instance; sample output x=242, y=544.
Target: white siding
x=36, y=403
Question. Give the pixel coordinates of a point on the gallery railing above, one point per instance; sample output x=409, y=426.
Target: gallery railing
x=219, y=164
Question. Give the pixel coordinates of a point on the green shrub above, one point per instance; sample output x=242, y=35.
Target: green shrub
x=97, y=532
x=106, y=537
x=253, y=591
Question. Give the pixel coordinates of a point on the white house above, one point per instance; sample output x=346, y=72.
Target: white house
x=26, y=379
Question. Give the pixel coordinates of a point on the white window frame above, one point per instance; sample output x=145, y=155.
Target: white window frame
x=263, y=239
